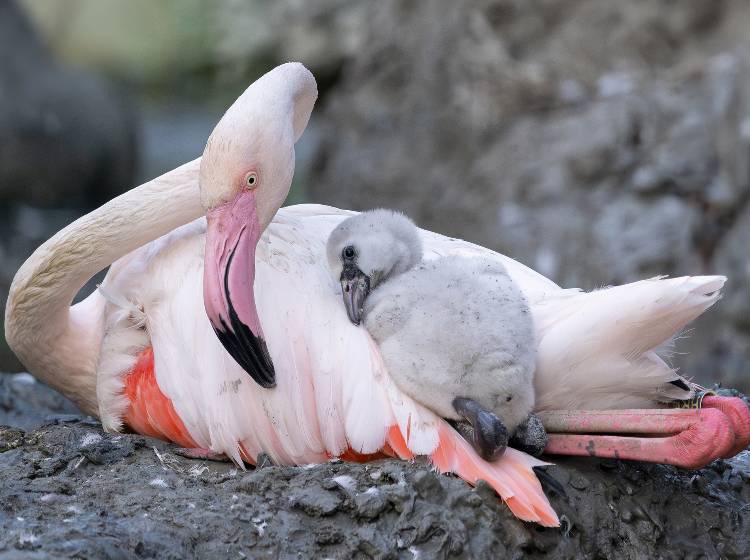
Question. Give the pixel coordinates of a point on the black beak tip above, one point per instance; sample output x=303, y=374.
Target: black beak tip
x=248, y=349
x=250, y=352
x=264, y=384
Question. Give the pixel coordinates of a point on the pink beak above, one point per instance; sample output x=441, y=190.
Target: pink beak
x=228, y=276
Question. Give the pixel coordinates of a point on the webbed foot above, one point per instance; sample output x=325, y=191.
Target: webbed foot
x=487, y=433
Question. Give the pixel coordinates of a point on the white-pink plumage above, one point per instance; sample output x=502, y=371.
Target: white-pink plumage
x=333, y=392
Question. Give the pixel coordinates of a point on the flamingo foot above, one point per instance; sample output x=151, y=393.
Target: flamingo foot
x=689, y=438
x=739, y=415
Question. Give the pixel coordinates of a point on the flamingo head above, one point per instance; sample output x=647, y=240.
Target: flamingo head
x=245, y=175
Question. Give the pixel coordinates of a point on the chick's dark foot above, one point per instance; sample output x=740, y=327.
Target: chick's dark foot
x=485, y=430
x=530, y=436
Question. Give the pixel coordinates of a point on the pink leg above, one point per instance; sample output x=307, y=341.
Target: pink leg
x=739, y=415
x=200, y=453
x=693, y=437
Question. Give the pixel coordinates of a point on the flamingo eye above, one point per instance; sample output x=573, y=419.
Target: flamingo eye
x=251, y=180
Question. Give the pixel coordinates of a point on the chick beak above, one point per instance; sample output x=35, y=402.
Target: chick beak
x=355, y=286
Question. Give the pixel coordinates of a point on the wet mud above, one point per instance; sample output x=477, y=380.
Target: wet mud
x=67, y=489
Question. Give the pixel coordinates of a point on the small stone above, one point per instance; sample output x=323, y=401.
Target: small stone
x=328, y=535
x=427, y=484
x=316, y=502
x=578, y=482
x=370, y=503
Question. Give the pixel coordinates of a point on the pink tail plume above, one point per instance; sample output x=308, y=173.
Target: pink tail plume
x=511, y=476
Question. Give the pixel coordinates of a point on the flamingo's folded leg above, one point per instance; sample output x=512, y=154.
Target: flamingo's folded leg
x=685, y=438
x=739, y=415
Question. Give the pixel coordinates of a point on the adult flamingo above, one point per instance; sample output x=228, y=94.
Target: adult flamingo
x=141, y=352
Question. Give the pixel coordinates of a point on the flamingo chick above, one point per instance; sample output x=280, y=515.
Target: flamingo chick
x=456, y=333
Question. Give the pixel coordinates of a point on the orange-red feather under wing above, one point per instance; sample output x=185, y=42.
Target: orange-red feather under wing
x=151, y=412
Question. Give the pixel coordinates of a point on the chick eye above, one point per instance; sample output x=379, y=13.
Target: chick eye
x=349, y=252
x=251, y=180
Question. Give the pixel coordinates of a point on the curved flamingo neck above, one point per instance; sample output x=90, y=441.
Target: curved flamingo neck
x=59, y=344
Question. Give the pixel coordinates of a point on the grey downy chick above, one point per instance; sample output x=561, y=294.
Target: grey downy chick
x=455, y=333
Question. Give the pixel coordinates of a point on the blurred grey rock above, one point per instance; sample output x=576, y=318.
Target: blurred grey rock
x=66, y=143
x=27, y=404
x=66, y=138
x=598, y=142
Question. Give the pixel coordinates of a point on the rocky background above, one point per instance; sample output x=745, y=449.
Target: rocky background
x=598, y=141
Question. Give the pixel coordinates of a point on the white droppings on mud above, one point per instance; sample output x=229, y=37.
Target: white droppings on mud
x=158, y=483
x=75, y=510
x=260, y=525
x=21, y=519
x=376, y=475
x=415, y=553
x=197, y=470
x=90, y=439
x=25, y=537
x=191, y=505
x=372, y=490
x=346, y=482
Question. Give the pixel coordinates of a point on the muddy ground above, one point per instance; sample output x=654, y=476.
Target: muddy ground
x=69, y=490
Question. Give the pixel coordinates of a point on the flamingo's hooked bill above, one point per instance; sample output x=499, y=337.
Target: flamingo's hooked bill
x=228, y=275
